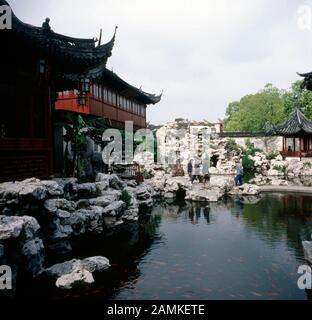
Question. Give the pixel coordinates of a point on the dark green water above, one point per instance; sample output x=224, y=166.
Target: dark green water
x=231, y=250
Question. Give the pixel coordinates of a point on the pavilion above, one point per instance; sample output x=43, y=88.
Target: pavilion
x=297, y=134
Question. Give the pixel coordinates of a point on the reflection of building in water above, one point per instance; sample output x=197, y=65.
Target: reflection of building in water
x=297, y=204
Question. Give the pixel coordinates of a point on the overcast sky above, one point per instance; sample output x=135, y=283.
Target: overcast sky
x=202, y=53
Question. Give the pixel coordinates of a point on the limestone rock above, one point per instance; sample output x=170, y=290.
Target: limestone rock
x=112, y=222
x=87, y=190
x=97, y=263
x=78, y=277
x=52, y=205
x=224, y=182
x=175, y=184
x=77, y=272
x=30, y=247
x=53, y=188
x=33, y=250
x=107, y=197
x=103, y=178
x=246, y=190
x=12, y=227
x=200, y=193
x=114, y=209
x=275, y=173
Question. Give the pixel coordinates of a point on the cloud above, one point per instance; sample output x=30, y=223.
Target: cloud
x=204, y=54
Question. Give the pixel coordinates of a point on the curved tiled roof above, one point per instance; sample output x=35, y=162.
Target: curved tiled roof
x=108, y=76
x=297, y=123
x=73, y=48
x=90, y=58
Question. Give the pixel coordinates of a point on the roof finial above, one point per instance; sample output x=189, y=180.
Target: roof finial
x=46, y=25
x=296, y=104
x=100, y=40
x=114, y=36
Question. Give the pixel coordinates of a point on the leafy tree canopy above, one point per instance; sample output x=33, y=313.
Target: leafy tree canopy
x=269, y=106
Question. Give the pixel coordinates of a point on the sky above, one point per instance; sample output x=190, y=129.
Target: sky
x=203, y=54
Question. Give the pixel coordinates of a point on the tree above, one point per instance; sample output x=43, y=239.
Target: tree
x=76, y=134
x=304, y=100
x=254, y=111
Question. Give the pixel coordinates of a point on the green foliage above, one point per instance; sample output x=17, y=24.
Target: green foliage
x=251, y=147
x=126, y=198
x=230, y=111
x=214, y=160
x=307, y=165
x=248, y=164
x=76, y=135
x=304, y=99
x=272, y=155
x=280, y=169
x=232, y=147
x=147, y=174
x=269, y=106
x=96, y=127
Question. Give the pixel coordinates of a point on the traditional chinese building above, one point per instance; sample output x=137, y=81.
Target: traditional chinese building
x=36, y=64
x=110, y=98
x=297, y=134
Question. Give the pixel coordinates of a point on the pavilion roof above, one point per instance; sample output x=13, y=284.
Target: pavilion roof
x=296, y=124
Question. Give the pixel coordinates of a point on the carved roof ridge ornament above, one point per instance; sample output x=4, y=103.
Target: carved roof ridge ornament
x=46, y=25
x=298, y=113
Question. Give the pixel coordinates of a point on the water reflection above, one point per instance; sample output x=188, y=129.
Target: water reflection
x=242, y=248
x=236, y=249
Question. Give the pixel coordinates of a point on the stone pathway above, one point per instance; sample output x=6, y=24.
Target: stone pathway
x=287, y=189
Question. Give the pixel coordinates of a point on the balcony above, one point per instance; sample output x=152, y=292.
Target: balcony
x=296, y=154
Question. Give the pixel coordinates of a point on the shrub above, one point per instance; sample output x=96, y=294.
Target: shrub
x=307, y=165
x=232, y=146
x=251, y=147
x=272, y=155
x=248, y=164
x=280, y=168
x=126, y=198
x=147, y=174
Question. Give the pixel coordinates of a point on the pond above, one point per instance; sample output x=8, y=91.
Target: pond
x=235, y=249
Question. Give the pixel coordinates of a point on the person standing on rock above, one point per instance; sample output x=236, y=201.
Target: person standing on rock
x=205, y=171
x=190, y=168
x=196, y=174
x=239, y=174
